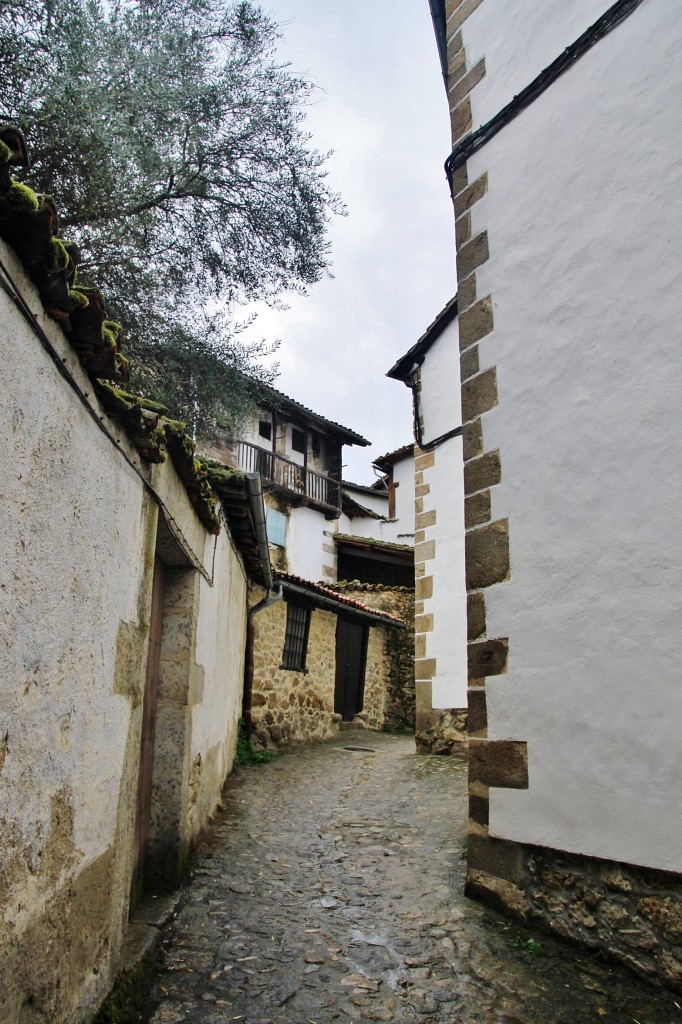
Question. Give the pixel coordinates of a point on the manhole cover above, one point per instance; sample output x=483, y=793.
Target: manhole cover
x=362, y=750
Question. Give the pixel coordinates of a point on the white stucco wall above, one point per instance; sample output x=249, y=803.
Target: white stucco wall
x=77, y=550
x=403, y=476
x=220, y=650
x=306, y=540
x=73, y=561
x=441, y=412
x=584, y=214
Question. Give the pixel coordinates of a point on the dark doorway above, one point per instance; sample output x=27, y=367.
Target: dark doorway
x=144, y=780
x=351, y=657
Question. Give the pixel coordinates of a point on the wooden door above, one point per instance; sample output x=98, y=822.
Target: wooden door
x=351, y=658
x=144, y=779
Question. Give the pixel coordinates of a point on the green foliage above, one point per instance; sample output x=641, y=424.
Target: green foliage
x=19, y=198
x=529, y=944
x=128, y=998
x=247, y=753
x=173, y=142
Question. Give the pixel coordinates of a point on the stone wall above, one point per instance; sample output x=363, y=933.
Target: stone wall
x=81, y=534
x=399, y=601
x=298, y=707
x=633, y=914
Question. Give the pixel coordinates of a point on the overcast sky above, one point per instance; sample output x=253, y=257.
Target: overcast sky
x=384, y=113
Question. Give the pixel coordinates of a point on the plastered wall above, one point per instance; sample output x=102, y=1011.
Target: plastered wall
x=440, y=493
x=77, y=548
x=584, y=219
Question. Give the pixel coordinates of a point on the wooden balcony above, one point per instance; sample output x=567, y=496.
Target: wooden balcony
x=297, y=481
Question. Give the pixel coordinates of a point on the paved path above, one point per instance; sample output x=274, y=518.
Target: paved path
x=331, y=890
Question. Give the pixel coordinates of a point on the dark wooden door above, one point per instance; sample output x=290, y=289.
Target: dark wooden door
x=351, y=657
x=144, y=780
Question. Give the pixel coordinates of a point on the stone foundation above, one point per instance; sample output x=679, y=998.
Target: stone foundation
x=631, y=914
x=441, y=731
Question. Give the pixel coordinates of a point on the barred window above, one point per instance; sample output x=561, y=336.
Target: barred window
x=296, y=637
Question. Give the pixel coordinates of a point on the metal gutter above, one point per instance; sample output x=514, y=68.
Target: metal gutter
x=254, y=489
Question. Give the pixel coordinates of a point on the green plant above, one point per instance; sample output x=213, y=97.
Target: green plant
x=529, y=944
x=247, y=753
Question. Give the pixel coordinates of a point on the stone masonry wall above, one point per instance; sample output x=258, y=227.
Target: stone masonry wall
x=400, y=696
x=634, y=914
x=298, y=707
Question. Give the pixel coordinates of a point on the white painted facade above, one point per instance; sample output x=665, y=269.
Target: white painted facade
x=584, y=217
x=441, y=413
x=308, y=533
x=77, y=547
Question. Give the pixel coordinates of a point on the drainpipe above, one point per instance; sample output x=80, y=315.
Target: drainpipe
x=255, y=492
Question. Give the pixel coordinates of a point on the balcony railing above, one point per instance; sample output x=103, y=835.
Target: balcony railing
x=275, y=469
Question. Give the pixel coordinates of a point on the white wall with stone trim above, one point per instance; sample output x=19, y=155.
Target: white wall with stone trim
x=584, y=216
x=441, y=412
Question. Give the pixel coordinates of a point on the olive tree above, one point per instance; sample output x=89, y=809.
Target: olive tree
x=173, y=142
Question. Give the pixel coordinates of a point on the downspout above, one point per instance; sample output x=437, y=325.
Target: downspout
x=254, y=489
x=425, y=446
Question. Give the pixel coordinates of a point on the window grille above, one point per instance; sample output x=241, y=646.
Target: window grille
x=296, y=637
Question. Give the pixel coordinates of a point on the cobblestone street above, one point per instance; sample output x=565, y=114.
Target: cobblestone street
x=331, y=888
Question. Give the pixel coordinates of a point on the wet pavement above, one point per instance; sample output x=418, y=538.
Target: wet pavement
x=330, y=889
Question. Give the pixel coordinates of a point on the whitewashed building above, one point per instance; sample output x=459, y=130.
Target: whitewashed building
x=430, y=368
x=566, y=175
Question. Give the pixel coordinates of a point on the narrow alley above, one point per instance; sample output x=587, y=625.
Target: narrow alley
x=331, y=888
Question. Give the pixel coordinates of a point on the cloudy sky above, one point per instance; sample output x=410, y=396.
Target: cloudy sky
x=382, y=109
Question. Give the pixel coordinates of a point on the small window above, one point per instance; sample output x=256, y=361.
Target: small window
x=276, y=525
x=298, y=440
x=265, y=429
x=296, y=637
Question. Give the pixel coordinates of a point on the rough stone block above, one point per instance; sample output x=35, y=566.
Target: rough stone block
x=424, y=461
x=487, y=657
x=479, y=394
x=482, y=473
x=423, y=694
x=497, y=857
x=469, y=363
x=425, y=670
x=424, y=588
x=460, y=179
x=425, y=519
x=465, y=199
x=501, y=763
x=425, y=551
x=477, y=509
x=476, y=322
x=466, y=293
x=423, y=624
x=462, y=230
x=472, y=439
x=460, y=120
x=475, y=616
x=472, y=255
x=487, y=555
x=460, y=14
x=478, y=712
